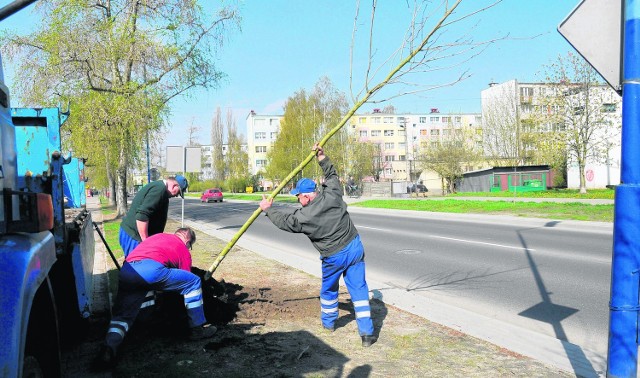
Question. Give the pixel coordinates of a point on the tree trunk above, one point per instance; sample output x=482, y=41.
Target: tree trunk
x=121, y=185
x=583, y=181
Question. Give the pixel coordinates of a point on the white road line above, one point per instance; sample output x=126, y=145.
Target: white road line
x=461, y=240
x=483, y=243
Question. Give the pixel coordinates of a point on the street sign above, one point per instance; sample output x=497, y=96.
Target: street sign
x=594, y=29
x=183, y=159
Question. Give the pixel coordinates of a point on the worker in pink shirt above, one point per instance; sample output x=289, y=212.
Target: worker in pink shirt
x=160, y=262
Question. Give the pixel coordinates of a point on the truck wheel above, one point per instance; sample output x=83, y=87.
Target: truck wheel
x=42, y=349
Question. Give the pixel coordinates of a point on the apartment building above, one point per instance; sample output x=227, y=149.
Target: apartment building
x=262, y=131
x=207, y=159
x=401, y=139
x=513, y=103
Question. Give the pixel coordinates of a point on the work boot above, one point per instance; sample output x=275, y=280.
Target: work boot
x=106, y=358
x=202, y=332
x=368, y=340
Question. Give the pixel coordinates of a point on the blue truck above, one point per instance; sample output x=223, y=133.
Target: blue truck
x=46, y=241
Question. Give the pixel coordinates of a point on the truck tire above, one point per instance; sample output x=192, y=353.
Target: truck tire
x=42, y=349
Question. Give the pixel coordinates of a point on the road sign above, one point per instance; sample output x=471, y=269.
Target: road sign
x=183, y=159
x=594, y=29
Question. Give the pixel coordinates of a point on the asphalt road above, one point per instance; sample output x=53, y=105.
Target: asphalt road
x=549, y=277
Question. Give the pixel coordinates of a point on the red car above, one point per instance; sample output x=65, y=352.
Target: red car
x=212, y=195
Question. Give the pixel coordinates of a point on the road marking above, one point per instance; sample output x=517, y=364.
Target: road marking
x=461, y=240
x=483, y=243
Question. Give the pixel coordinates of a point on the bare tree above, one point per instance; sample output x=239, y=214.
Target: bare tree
x=581, y=108
x=501, y=125
x=193, y=135
x=218, y=164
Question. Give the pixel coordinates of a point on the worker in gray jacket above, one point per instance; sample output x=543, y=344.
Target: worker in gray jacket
x=324, y=219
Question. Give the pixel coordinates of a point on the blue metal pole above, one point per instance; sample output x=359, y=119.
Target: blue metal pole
x=625, y=267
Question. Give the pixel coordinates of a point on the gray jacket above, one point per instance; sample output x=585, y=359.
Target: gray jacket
x=324, y=220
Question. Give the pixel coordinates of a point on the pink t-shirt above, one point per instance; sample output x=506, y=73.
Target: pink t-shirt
x=167, y=249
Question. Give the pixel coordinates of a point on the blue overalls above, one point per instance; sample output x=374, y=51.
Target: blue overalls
x=348, y=262
x=135, y=281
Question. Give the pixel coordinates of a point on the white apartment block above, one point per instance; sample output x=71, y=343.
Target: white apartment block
x=519, y=101
x=207, y=159
x=262, y=131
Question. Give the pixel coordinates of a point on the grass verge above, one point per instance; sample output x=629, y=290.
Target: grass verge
x=551, y=210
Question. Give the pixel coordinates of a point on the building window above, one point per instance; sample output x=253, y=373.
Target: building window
x=526, y=91
x=261, y=149
x=261, y=162
x=363, y=133
x=376, y=119
x=258, y=122
x=274, y=135
x=458, y=120
x=362, y=120
x=435, y=132
x=423, y=120
x=423, y=132
x=274, y=122
x=375, y=133
x=388, y=146
x=446, y=119
x=389, y=158
x=608, y=108
x=388, y=172
x=388, y=133
x=446, y=132
x=387, y=120
x=434, y=119
x=402, y=158
x=260, y=135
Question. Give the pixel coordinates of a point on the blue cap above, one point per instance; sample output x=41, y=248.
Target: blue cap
x=183, y=183
x=305, y=185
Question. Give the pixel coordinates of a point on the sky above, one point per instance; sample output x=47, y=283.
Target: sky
x=288, y=45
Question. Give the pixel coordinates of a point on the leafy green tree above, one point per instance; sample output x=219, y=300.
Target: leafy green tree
x=448, y=156
x=307, y=118
x=363, y=160
x=121, y=61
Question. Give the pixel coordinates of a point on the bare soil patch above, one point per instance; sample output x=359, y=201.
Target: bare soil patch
x=269, y=326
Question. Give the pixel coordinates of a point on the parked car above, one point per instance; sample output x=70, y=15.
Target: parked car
x=417, y=188
x=212, y=195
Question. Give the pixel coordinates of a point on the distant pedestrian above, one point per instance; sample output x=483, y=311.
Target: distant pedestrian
x=149, y=211
x=160, y=262
x=324, y=219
